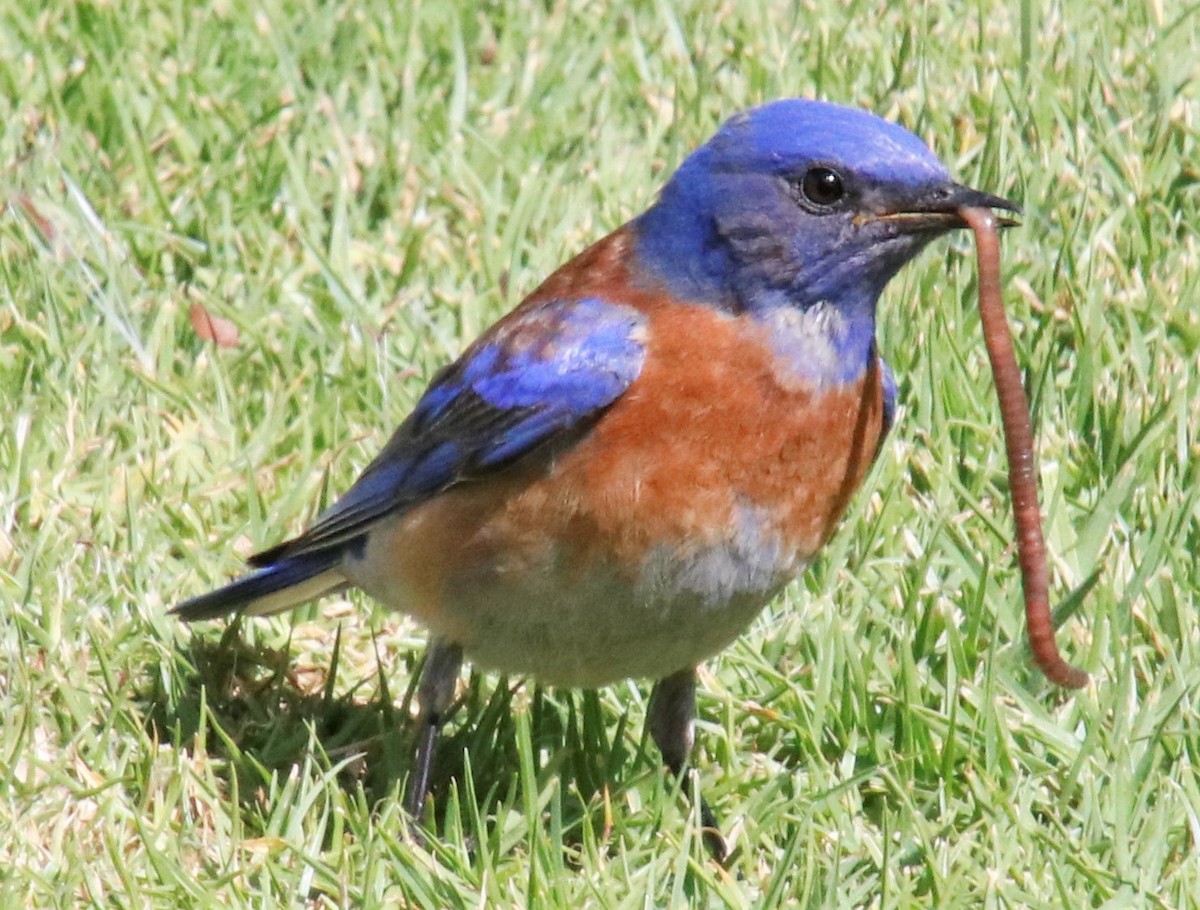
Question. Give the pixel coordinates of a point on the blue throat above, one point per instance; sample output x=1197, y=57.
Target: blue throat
x=822, y=325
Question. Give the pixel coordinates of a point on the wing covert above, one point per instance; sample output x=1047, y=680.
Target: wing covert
x=540, y=375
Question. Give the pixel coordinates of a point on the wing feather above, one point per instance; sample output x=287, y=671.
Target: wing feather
x=533, y=383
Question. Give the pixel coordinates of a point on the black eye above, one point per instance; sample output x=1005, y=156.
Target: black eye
x=822, y=186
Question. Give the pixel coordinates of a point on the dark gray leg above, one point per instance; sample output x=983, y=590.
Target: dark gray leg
x=672, y=726
x=443, y=660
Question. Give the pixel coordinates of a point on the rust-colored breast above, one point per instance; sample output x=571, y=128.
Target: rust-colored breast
x=708, y=428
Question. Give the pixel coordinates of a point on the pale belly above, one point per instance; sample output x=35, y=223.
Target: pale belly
x=548, y=615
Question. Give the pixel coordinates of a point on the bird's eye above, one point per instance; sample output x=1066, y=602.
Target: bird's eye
x=822, y=186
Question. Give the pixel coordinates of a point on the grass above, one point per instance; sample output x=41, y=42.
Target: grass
x=360, y=190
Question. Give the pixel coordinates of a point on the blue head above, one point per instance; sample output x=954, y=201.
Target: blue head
x=802, y=207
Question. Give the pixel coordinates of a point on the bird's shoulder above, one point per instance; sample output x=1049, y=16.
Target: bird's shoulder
x=528, y=386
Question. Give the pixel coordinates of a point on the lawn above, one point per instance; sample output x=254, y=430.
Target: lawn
x=359, y=190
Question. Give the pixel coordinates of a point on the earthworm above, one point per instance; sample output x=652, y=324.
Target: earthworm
x=1018, y=440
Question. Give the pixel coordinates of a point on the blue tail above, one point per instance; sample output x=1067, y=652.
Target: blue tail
x=284, y=584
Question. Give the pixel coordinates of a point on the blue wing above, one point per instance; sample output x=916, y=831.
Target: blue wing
x=535, y=381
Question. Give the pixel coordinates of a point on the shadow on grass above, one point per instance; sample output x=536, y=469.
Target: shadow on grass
x=252, y=709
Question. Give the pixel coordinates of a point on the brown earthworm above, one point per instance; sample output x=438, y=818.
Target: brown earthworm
x=1018, y=440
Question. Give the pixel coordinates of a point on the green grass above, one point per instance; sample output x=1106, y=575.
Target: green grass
x=361, y=190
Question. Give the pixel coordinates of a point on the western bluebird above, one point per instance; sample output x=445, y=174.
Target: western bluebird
x=616, y=477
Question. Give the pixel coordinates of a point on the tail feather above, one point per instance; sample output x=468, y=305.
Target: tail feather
x=287, y=583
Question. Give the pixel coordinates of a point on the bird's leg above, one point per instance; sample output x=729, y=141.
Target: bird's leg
x=672, y=722
x=443, y=660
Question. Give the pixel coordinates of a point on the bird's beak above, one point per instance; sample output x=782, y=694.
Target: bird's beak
x=937, y=209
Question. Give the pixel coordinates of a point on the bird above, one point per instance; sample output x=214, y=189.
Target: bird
x=616, y=477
